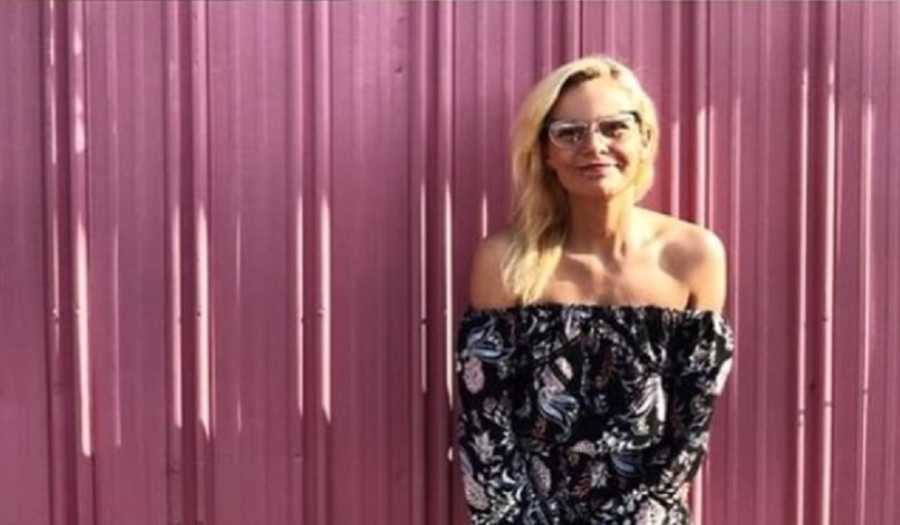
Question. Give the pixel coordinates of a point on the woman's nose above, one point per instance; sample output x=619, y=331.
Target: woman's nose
x=598, y=141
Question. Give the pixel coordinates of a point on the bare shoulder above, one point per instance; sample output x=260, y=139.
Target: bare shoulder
x=486, y=288
x=696, y=256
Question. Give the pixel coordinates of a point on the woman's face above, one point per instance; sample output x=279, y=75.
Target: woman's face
x=595, y=141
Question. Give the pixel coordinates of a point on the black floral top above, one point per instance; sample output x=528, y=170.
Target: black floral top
x=578, y=414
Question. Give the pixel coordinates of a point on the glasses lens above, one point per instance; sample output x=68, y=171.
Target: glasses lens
x=568, y=134
x=616, y=128
x=572, y=133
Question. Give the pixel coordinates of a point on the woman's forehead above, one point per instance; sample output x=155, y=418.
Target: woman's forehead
x=593, y=99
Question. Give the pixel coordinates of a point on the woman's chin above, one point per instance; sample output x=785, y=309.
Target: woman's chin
x=595, y=179
x=605, y=186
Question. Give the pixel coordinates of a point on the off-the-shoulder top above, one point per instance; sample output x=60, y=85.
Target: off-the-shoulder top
x=586, y=414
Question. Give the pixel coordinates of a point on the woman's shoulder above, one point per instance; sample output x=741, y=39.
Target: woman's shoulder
x=685, y=239
x=695, y=255
x=486, y=286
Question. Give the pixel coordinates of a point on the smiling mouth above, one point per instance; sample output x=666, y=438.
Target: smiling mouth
x=598, y=166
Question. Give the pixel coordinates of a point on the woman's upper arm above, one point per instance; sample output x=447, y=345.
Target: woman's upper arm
x=707, y=278
x=486, y=287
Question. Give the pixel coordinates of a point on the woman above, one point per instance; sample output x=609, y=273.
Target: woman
x=593, y=346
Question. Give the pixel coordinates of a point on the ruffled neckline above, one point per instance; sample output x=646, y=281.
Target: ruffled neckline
x=588, y=307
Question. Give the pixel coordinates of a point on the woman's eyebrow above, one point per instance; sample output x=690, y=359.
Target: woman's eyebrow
x=611, y=116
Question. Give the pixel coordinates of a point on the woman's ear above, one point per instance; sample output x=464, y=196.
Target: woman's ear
x=645, y=144
x=645, y=137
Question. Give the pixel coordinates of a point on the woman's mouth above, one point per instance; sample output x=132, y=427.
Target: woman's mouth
x=596, y=170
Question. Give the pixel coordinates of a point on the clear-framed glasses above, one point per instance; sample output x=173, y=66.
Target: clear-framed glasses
x=571, y=134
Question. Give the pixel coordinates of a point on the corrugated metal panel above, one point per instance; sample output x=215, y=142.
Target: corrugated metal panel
x=238, y=238
x=24, y=391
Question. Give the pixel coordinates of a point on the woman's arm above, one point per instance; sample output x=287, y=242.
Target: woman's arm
x=706, y=274
x=486, y=289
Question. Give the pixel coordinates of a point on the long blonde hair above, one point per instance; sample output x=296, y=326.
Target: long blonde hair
x=540, y=204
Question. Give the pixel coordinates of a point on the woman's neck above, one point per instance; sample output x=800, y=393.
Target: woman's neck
x=604, y=229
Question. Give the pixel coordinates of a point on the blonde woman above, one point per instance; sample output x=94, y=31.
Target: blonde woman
x=593, y=347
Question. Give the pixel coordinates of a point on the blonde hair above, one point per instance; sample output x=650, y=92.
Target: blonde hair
x=540, y=204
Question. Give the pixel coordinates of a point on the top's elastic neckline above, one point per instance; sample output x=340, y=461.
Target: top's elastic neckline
x=592, y=307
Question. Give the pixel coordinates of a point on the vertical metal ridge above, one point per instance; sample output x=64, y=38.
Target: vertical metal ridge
x=802, y=357
x=320, y=501
x=699, y=185
x=571, y=30
x=173, y=127
x=825, y=302
x=481, y=82
x=699, y=106
x=57, y=243
x=673, y=108
x=735, y=262
x=79, y=224
x=420, y=150
x=509, y=108
x=890, y=510
x=295, y=169
x=581, y=50
x=761, y=239
x=270, y=507
x=849, y=266
x=114, y=147
x=637, y=32
x=543, y=50
x=609, y=30
x=865, y=208
x=200, y=356
x=440, y=503
x=510, y=100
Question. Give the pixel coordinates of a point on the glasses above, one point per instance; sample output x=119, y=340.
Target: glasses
x=570, y=134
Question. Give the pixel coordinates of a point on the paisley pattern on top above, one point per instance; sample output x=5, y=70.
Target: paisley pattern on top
x=576, y=414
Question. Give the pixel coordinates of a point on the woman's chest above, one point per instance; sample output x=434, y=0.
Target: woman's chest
x=642, y=280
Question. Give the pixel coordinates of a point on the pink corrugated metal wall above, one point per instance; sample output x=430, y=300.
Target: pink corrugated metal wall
x=236, y=237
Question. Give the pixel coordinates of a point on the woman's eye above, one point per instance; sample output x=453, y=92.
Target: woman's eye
x=614, y=129
x=571, y=134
